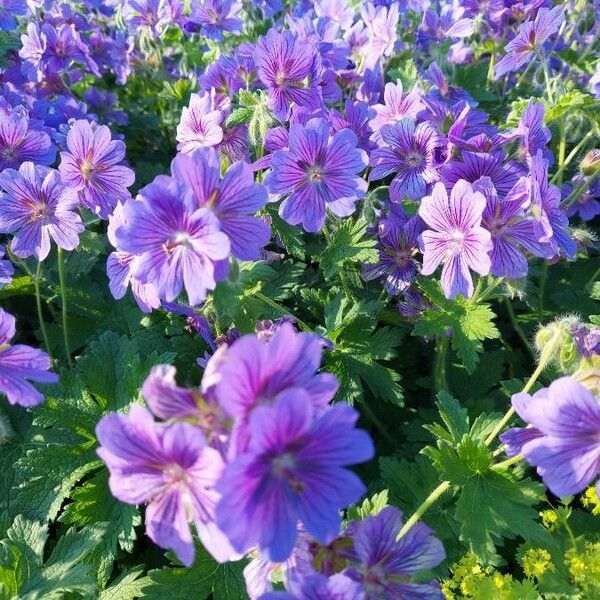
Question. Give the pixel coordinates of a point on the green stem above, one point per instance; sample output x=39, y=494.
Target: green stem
x=508, y=462
x=578, y=192
x=542, y=290
x=518, y=329
x=280, y=308
x=441, y=353
x=488, y=291
x=547, y=355
x=63, y=295
x=562, y=147
x=547, y=79
x=427, y=504
x=572, y=155
x=38, y=302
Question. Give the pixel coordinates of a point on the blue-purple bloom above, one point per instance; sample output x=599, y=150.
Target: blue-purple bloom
x=295, y=469
x=19, y=142
x=291, y=71
x=92, y=165
x=318, y=171
x=233, y=199
x=385, y=565
x=410, y=152
x=172, y=469
x=36, y=207
x=176, y=243
x=252, y=373
x=20, y=364
x=9, y=11
x=563, y=442
x=551, y=221
x=200, y=124
x=511, y=229
x=6, y=269
x=529, y=39
x=455, y=238
x=212, y=18
x=396, y=106
x=397, y=247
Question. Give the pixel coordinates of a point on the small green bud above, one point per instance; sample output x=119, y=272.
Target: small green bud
x=590, y=165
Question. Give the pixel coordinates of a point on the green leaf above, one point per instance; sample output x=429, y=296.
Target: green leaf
x=370, y=507
x=239, y=116
x=495, y=505
x=93, y=503
x=204, y=578
x=455, y=419
x=348, y=243
x=470, y=323
x=23, y=573
x=127, y=586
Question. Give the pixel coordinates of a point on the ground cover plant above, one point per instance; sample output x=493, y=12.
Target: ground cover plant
x=298, y=300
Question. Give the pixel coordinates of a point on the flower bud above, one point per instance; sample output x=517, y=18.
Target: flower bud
x=590, y=163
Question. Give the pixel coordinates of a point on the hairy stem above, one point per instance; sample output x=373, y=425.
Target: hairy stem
x=425, y=506
x=38, y=302
x=441, y=354
x=63, y=295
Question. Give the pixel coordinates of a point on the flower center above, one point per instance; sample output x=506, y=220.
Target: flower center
x=175, y=475
x=8, y=152
x=280, y=77
x=283, y=468
x=86, y=167
x=456, y=240
x=414, y=159
x=179, y=239
x=315, y=173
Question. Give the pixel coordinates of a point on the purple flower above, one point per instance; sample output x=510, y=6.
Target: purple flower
x=319, y=587
x=551, y=222
x=176, y=243
x=397, y=266
x=38, y=206
x=529, y=39
x=251, y=373
x=167, y=400
x=9, y=11
x=33, y=46
x=91, y=165
x=587, y=340
x=587, y=206
x=563, y=442
x=534, y=136
x=120, y=266
x=62, y=47
x=222, y=78
x=380, y=23
x=396, y=106
x=6, y=269
x=356, y=118
x=19, y=142
x=155, y=15
x=214, y=17
x=475, y=165
x=20, y=363
x=290, y=69
x=233, y=200
x=456, y=237
x=317, y=171
x=294, y=470
x=386, y=565
x=337, y=10
x=410, y=153
x=200, y=124
x=172, y=469
x=510, y=229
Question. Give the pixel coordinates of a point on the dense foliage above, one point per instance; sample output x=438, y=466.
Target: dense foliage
x=299, y=299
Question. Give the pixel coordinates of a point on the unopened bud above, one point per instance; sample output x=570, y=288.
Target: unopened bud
x=590, y=163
